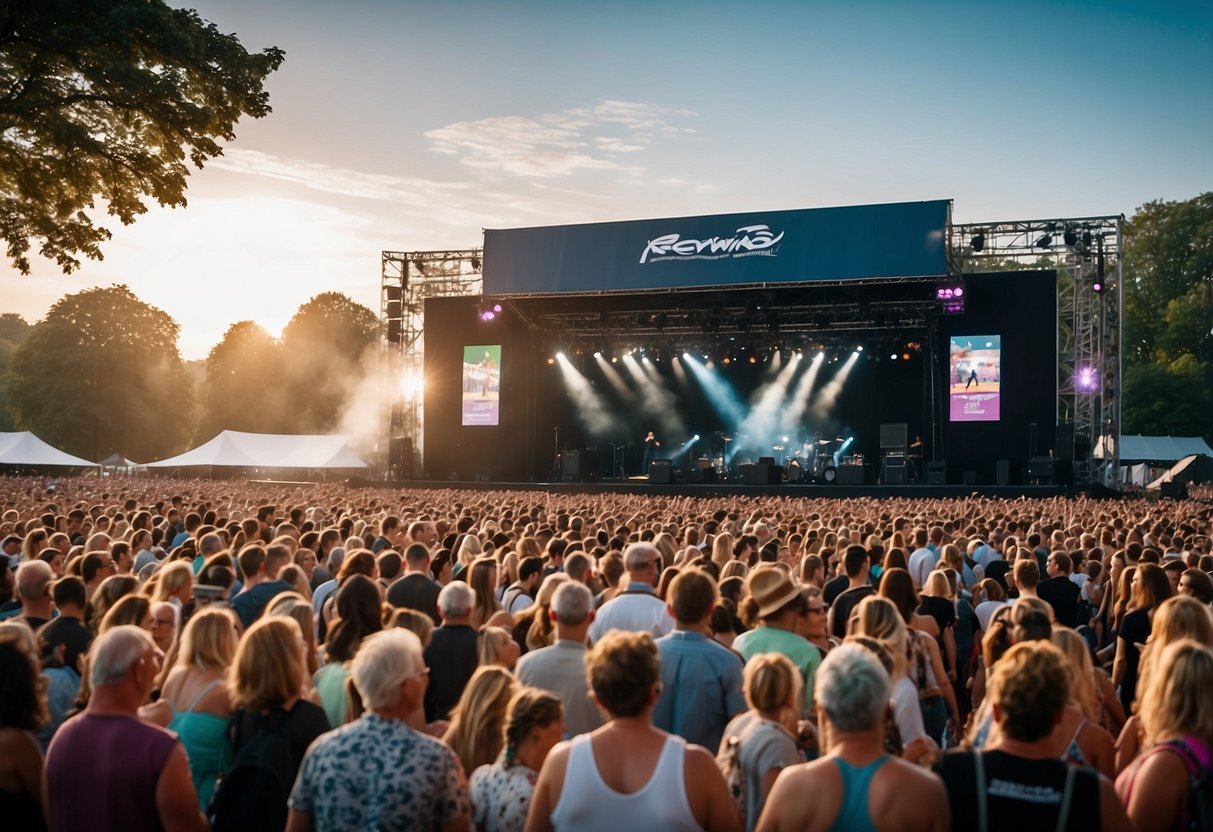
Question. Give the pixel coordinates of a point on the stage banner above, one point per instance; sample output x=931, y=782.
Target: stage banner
x=864, y=241
x=481, y=385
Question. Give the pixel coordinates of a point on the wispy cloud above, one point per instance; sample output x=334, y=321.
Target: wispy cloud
x=560, y=144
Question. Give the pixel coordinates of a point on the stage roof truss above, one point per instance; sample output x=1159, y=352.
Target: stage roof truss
x=1084, y=251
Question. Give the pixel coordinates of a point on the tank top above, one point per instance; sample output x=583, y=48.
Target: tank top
x=1073, y=754
x=205, y=739
x=588, y=804
x=853, y=816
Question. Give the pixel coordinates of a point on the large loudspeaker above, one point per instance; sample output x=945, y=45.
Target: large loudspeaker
x=893, y=435
x=700, y=474
x=660, y=471
x=1174, y=490
x=1002, y=472
x=853, y=474
x=578, y=466
x=1063, y=442
x=1042, y=470
x=761, y=474
x=895, y=472
x=937, y=472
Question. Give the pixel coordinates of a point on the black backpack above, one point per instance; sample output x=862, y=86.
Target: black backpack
x=253, y=789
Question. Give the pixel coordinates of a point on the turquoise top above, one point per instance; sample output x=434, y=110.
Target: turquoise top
x=330, y=685
x=856, y=782
x=205, y=739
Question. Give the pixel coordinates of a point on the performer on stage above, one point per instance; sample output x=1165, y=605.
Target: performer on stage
x=650, y=452
x=972, y=377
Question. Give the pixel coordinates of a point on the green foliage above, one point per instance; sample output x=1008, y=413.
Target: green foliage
x=101, y=373
x=108, y=100
x=13, y=331
x=324, y=346
x=244, y=384
x=1168, y=322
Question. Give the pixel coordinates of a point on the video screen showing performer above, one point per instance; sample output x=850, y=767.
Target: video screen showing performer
x=975, y=370
x=481, y=385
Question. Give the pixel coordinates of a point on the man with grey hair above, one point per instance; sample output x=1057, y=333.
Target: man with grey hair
x=560, y=668
x=134, y=772
x=451, y=654
x=377, y=772
x=637, y=608
x=34, y=578
x=857, y=785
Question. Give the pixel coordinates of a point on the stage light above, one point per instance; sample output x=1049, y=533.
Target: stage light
x=726, y=360
x=551, y=360
x=893, y=357
x=696, y=437
x=560, y=355
x=905, y=356
x=859, y=348
x=614, y=359
x=686, y=354
x=1044, y=241
x=598, y=354
x=753, y=359
x=1088, y=379
x=978, y=241
x=1070, y=236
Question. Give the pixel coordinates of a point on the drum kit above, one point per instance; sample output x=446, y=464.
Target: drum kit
x=810, y=461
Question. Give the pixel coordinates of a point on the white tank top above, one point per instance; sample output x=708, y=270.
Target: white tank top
x=588, y=804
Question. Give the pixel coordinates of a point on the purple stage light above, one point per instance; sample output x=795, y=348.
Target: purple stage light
x=1088, y=379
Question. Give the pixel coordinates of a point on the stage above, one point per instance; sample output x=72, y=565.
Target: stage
x=725, y=490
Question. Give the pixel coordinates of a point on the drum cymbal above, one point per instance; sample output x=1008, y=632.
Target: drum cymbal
x=777, y=447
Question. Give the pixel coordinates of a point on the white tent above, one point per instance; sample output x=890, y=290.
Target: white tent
x=267, y=450
x=23, y=448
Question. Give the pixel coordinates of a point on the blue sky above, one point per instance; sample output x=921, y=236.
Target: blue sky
x=402, y=125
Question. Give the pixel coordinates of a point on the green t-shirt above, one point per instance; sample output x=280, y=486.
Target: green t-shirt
x=804, y=655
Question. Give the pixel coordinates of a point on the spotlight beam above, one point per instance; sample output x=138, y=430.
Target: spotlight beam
x=591, y=409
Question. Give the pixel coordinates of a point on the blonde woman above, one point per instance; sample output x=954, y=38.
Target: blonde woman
x=495, y=646
x=501, y=792
x=878, y=618
x=477, y=722
x=722, y=549
x=1080, y=739
x=194, y=701
x=174, y=583
x=762, y=741
x=1179, y=732
x=293, y=605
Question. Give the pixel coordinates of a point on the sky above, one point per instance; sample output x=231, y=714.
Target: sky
x=413, y=126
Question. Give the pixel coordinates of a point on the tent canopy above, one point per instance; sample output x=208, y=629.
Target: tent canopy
x=23, y=448
x=1159, y=448
x=268, y=450
x=1194, y=468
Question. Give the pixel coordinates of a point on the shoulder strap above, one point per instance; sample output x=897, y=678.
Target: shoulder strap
x=979, y=772
x=1067, y=797
x=199, y=697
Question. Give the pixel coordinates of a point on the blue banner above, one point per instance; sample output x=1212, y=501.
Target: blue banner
x=865, y=241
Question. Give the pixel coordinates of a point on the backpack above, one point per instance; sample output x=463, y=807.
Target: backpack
x=1200, y=786
x=253, y=789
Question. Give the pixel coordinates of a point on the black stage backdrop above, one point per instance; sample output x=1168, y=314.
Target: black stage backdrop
x=538, y=417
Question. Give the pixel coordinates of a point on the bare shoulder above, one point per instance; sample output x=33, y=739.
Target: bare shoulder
x=911, y=776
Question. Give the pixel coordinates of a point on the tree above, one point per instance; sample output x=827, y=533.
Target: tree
x=244, y=385
x=13, y=332
x=324, y=346
x=101, y=373
x=107, y=100
x=1168, y=320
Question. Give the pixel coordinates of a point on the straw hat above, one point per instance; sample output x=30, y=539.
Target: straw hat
x=772, y=589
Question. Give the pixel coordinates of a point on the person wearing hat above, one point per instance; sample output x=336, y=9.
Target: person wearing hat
x=772, y=609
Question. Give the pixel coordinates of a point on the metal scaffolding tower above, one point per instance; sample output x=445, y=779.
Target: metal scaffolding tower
x=1086, y=252
x=407, y=279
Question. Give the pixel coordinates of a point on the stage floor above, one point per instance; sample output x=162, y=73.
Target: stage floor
x=729, y=489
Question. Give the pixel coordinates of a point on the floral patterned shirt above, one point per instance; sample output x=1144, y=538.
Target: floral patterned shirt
x=501, y=796
x=379, y=773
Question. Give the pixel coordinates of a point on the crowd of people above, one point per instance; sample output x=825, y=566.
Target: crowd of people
x=222, y=654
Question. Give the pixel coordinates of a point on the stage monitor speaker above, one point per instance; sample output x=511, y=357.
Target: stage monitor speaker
x=1042, y=470
x=761, y=474
x=1002, y=472
x=895, y=473
x=660, y=471
x=969, y=477
x=698, y=475
x=937, y=472
x=893, y=435
x=570, y=466
x=852, y=474
x=766, y=460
